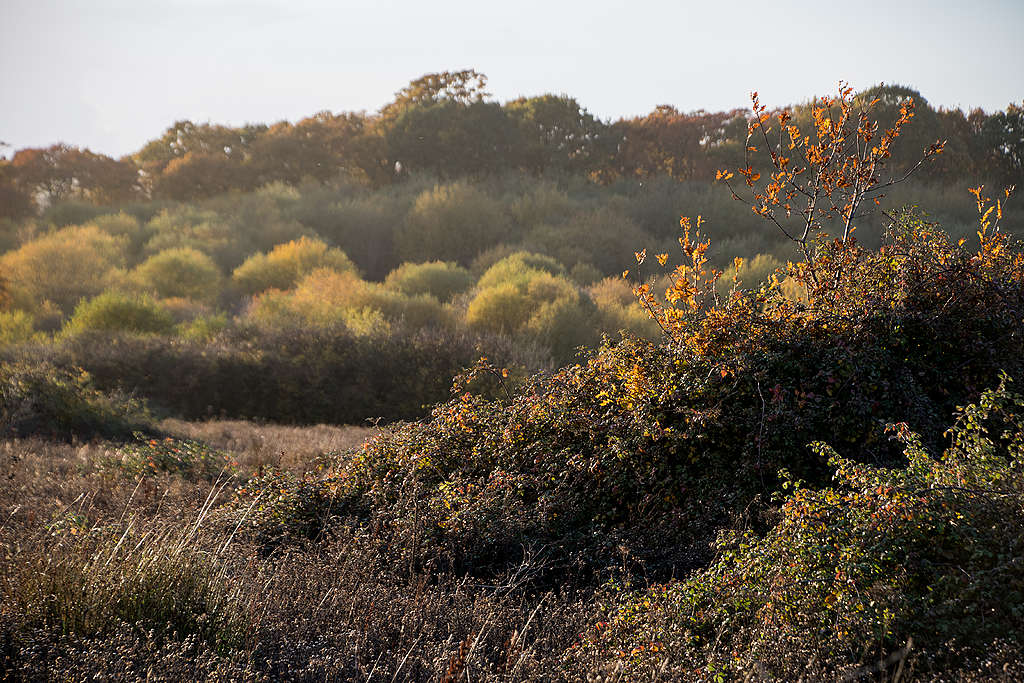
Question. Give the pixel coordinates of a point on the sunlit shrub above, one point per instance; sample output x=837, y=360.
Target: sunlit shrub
x=618, y=309
x=181, y=272
x=17, y=327
x=563, y=324
x=517, y=297
x=518, y=268
x=116, y=312
x=128, y=227
x=183, y=310
x=752, y=273
x=288, y=263
x=502, y=308
x=62, y=267
x=440, y=279
x=202, y=328
x=326, y=297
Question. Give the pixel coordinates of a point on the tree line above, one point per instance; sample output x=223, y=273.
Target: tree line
x=446, y=124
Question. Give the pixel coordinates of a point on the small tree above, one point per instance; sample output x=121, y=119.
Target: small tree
x=829, y=175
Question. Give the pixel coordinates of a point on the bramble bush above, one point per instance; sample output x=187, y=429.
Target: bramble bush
x=677, y=437
x=878, y=564
x=191, y=459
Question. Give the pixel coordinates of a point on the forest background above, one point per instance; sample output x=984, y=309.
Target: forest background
x=346, y=266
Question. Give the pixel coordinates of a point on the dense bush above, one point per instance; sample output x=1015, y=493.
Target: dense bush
x=183, y=272
x=440, y=279
x=879, y=562
x=16, y=327
x=327, y=298
x=43, y=400
x=455, y=221
x=668, y=441
x=116, y=312
x=62, y=267
x=518, y=268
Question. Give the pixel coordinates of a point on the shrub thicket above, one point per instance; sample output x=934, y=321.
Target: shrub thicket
x=44, y=400
x=298, y=375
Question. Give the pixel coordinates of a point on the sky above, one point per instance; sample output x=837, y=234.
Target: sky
x=110, y=75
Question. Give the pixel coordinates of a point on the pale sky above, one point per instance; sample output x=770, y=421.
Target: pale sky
x=111, y=74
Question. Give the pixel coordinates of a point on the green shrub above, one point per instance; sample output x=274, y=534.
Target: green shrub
x=116, y=312
x=455, y=221
x=203, y=328
x=618, y=309
x=127, y=227
x=17, y=327
x=518, y=268
x=440, y=279
x=563, y=324
x=326, y=297
x=752, y=273
x=182, y=272
x=62, y=267
x=500, y=309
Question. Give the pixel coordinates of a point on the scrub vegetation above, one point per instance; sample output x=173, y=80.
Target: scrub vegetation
x=786, y=443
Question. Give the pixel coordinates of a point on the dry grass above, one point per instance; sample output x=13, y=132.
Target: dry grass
x=252, y=444
x=114, y=577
